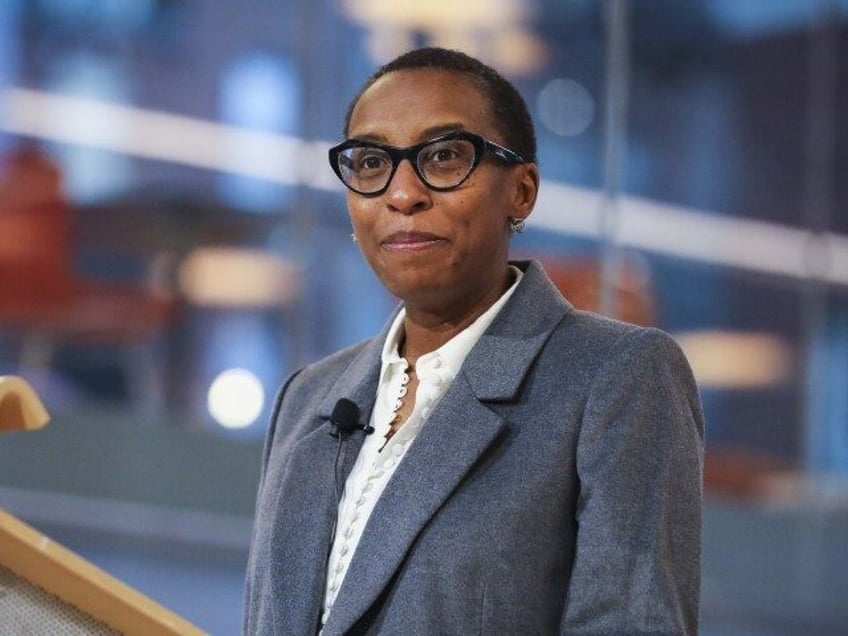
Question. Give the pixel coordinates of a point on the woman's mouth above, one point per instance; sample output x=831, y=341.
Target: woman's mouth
x=411, y=241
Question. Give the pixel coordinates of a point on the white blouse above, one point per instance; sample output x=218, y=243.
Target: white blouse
x=373, y=468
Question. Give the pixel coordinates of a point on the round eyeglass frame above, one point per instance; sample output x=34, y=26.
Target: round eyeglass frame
x=411, y=153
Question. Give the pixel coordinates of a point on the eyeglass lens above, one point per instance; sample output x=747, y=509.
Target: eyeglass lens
x=441, y=164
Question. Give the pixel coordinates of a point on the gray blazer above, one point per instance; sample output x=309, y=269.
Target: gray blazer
x=556, y=488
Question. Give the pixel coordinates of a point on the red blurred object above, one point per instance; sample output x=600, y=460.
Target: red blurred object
x=41, y=297
x=579, y=280
x=746, y=474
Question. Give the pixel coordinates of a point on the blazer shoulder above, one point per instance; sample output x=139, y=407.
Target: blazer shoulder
x=328, y=369
x=589, y=336
x=308, y=386
x=593, y=346
x=609, y=335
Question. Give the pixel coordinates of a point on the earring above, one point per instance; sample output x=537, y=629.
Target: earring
x=516, y=225
x=353, y=237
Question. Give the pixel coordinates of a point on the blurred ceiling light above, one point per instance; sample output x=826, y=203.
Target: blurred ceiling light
x=384, y=44
x=157, y=135
x=736, y=360
x=566, y=107
x=468, y=15
x=490, y=30
x=517, y=52
x=654, y=226
x=235, y=277
x=235, y=398
x=663, y=228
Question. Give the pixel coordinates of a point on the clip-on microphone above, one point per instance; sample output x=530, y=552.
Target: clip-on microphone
x=345, y=419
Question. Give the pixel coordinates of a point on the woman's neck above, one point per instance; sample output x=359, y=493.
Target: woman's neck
x=427, y=330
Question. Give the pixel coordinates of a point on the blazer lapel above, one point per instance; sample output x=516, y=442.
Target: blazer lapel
x=458, y=432
x=306, y=501
x=432, y=468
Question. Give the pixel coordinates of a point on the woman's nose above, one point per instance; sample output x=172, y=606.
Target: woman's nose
x=407, y=193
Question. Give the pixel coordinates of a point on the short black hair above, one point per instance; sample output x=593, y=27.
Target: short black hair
x=512, y=119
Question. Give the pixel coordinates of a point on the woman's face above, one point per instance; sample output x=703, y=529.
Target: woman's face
x=441, y=252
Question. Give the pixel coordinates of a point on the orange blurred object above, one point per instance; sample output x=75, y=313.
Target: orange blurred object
x=579, y=280
x=746, y=474
x=41, y=297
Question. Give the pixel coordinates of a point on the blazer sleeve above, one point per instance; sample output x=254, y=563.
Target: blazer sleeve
x=266, y=453
x=639, y=461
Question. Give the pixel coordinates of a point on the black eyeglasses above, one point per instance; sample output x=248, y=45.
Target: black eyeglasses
x=442, y=163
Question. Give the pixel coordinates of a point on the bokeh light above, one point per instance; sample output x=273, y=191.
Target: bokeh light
x=235, y=398
x=566, y=107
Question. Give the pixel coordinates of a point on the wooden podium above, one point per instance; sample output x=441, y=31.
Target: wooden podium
x=47, y=589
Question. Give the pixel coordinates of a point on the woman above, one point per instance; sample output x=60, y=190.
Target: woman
x=532, y=469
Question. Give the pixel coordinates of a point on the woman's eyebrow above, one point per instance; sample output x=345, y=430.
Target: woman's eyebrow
x=440, y=129
x=380, y=139
x=424, y=135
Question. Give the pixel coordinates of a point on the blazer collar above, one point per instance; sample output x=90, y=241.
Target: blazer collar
x=358, y=382
x=496, y=366
x=514, y=338
x=458, y=432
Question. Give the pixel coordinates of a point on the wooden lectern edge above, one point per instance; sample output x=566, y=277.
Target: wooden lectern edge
x=20, y=407
x=37, y=559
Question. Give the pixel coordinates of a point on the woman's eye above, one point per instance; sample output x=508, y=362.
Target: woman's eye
x=441, y=154
x=448, y=155
x=370, y=162
x=444, y=154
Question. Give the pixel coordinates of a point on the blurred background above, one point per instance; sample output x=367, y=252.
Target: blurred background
x=173, y=244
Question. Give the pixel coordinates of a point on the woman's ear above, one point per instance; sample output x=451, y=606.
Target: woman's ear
x=526, y=189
